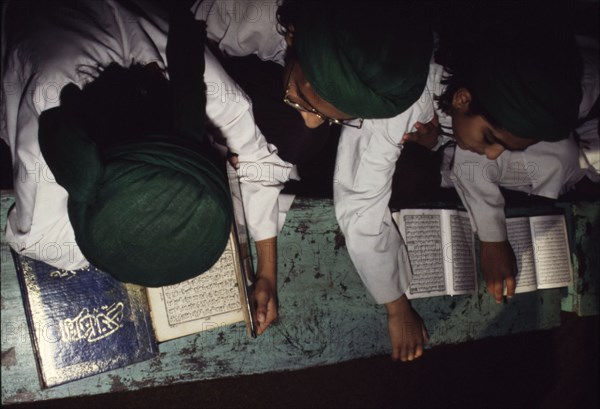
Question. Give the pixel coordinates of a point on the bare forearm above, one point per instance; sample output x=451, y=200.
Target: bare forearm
x=398, y=307
x=266, y=251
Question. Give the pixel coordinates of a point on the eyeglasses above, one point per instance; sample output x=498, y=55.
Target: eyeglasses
x=353, y=123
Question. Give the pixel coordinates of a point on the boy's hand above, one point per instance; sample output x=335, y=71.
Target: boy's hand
x=264, y=295
x=407, y=331
x=425, y=135
x=265, y=302
x=499, y=266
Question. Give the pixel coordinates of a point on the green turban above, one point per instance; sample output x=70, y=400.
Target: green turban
x=150, y=209
x=369, y=61
x=530, y=83
x=151, y=213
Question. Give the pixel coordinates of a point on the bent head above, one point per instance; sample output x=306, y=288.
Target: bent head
x=346, y=62
x=475, y=132
x=300, y=95
x=147, y=203
x=517, y=87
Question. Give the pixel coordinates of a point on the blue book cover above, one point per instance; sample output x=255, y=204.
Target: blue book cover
x=83, y=322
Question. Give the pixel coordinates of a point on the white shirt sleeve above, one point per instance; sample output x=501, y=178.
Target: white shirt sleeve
x=545, y=169
x=474, y=179
x=243, y=27
x=53, y=47
x=262, y=173
x=65, y=48
x=366, y=160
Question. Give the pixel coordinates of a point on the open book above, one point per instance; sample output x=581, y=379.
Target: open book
x=85, y=322
x=441, y=250
x=220, y=296
x=541, y=247
x=215, y=298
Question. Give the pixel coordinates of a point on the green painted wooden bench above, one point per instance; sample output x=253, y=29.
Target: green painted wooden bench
x=326, y=315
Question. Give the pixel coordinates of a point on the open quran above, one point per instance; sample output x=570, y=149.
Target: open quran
x=215, y=298
x=441, y=251
x=85, y=322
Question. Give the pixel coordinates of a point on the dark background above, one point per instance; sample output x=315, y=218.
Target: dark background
x=555, y=368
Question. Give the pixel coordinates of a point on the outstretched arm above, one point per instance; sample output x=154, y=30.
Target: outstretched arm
x=477, y=183
x=262, y=175
x=499, y=268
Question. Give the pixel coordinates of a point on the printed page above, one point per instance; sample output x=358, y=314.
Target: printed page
x=460, y=251
x=551, y=250
x=209, y=300
x=519, y=237
x=422, y=233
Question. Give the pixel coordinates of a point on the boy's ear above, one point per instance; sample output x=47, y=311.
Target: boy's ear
x=289, y=35
x=461, y=99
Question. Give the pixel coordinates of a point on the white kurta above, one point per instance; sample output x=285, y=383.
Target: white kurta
x=52, y=46
x=545, y=169
x=366, y=157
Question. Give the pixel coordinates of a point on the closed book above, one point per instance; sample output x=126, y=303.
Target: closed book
x=83, y=322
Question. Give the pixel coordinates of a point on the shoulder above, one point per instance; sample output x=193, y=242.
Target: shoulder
x=241, y=28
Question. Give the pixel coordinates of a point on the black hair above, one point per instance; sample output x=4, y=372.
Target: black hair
x=287, y=15
x=127, y=105
x=453, y=82
x=122, y=104
x=465, y=28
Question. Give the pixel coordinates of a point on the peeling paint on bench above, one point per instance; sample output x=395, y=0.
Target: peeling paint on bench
x=326, y=317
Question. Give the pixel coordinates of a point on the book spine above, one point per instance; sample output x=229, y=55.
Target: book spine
x=21, y=277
